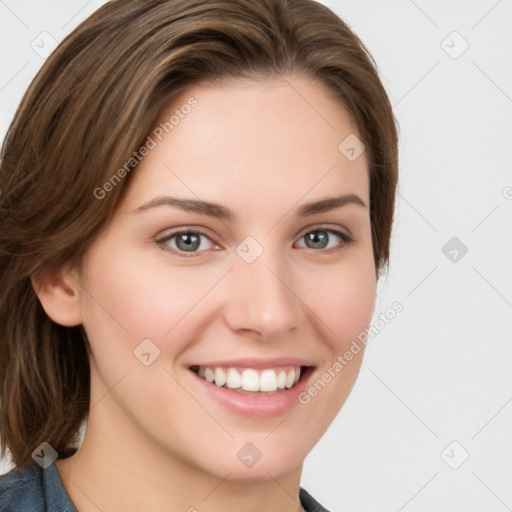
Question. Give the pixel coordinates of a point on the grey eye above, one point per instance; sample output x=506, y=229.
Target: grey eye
x=317, y=239
x=185, y=241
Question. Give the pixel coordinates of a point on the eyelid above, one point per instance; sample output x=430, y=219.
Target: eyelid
x=326, y=227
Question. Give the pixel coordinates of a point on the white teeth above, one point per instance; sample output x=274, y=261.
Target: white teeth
x=220, y=377
x=290, y=377
x=250, y=380
x=234, y=380
x=209, y=374
x=269, y=380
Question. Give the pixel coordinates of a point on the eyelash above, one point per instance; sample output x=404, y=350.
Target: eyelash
x=347, y=240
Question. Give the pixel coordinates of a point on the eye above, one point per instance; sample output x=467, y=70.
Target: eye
x=187, y=242
x=321, y=237
x=184, y=241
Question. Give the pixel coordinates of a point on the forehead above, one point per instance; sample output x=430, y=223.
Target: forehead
x=251, y=142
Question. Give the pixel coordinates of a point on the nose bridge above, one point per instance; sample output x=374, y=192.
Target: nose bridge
x=262, y=298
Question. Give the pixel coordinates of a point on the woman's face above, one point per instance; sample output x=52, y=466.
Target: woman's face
x=259, y=282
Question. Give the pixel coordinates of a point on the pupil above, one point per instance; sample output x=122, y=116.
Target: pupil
x=318, y=237
x=190, y=241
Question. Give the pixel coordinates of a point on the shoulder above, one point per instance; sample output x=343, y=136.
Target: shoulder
x=309, y=503
x=22, y=490
x=33, y=489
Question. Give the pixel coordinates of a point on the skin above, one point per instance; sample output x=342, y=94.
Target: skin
x=154, y=440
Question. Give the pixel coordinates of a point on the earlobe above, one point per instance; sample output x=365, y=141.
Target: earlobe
x=58, y=293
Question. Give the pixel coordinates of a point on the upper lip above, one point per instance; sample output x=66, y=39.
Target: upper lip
x=259, y=364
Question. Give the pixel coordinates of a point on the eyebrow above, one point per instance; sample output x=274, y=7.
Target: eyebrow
x=221, y=212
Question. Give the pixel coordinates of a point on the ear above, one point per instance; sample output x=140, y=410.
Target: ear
x=58, y=291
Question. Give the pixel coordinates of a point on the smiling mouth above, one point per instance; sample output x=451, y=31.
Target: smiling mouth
x=250, y=381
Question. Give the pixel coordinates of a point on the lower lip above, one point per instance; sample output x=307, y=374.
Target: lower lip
x=256, y=406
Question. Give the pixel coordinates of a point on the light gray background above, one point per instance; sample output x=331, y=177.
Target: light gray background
x=440, y=371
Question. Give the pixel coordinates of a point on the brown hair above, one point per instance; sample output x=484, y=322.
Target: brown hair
x=89, y=108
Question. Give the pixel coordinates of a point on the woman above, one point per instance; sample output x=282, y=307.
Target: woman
x=196, y=201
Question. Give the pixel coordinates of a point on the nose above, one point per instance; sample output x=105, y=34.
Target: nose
x=261, y=298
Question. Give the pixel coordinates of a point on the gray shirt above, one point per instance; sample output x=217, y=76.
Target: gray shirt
x=33, y=489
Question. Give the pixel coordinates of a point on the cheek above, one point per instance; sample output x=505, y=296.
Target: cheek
x=128, y=301
x=343, y=296
x=344, y=301
x=351, y=307
x=145, y=298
